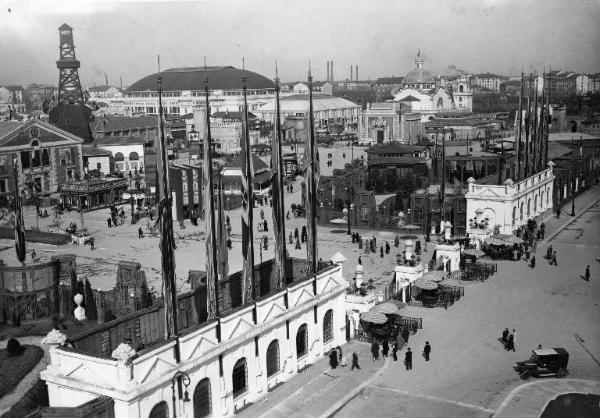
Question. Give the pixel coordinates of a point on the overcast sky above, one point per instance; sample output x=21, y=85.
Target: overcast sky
x=382, y=37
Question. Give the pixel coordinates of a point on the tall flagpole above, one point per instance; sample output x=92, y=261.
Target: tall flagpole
x=527, y=127
x=548, y=121
x=167, y=241
x=248, y=284
x=534, y=130
x=212, y=269
x=222, y=250
x=312, y=173
x=277, y=189
x=519, y=129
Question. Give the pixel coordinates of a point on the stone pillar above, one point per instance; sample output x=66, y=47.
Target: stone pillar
x=447, y=230
x=124, y=354
x=408, y=249
x=359, y=275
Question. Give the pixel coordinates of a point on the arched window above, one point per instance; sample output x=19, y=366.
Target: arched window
x=302, y=341
x=461, y=88
x=119, y=161
x=328, y=326
x=119, y=156
x=202, y=399
x=521, y=212
x=535, y=204
x=528, y=207
x=45, y=157
x=542, y=200
x=273, y=358
x=240, y=377
x=440, y=103
x=514, y=215
x=133, y=156
x=160, y=410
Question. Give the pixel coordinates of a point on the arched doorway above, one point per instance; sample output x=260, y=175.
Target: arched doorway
x=302, y=341
x=240, y=377
x=440, y=103
x=160, y=410
x=202, y=399
x=273, y=358
x=328, y=326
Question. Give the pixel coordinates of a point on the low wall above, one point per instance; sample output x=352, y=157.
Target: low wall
x=31, y=235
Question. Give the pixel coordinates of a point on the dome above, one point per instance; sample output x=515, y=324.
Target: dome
x=192, y=78
x=419, y=76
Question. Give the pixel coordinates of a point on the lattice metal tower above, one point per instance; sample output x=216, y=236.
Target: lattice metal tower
x=70, y=112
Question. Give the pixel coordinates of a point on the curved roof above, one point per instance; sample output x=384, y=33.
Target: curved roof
x=192, y=78
x=299, y=102
x=419, y=75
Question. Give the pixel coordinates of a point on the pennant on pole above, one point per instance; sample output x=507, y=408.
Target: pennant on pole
x=212, y=273
x=167, y=240
x=248, y=285
x=277, y=191
x=311, y=156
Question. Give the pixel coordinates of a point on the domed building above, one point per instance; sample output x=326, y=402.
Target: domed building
x=422, y=93
x=183, y=88
x=419, y=78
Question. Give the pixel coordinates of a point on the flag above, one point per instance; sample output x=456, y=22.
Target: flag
x=312, y=180
x=167, y=240
x=222, y=250
x=248, y=291
x=212, y=274
x=19, y=226
x=277, y=193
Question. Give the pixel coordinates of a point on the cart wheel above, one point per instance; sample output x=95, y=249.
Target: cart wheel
x=526, y=375
x=561, y=373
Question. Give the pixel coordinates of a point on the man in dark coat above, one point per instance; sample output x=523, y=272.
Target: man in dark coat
x=553, y=260
x=387, y=247
x=395, y=351
x=533, y=261
x=381, y=251
x=333, y=359
x=427, y=350
x=386, y=348
x=375, y=349
x=355, y=361
x=587, y=273
x=408, y=359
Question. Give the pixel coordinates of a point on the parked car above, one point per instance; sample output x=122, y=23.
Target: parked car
x=544, y=362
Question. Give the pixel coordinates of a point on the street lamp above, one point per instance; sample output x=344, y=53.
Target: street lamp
x=180, y=377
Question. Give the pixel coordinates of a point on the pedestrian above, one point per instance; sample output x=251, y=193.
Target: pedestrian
x=140, y=233
x=587, y=273
x=291, y=238
x=387, y=247
x=34, y=255
x=381, y=251
x=374, y=241
x=427, y=350
x=360, y=261
x=510, y=343
x=355, y=361
x=558, y=214
x=265, y=242
x=395, y=350
x=296, y=235
x=553, y=260
x=385, y=348
x=543, y=230
x=549, y=252
x=532, y=262
x=360, y=243
x=262, y=214
x=265, y=226
x=408, y=359
x=505, y=336
x=92, y=246
x=333, y=359
x=396, y=241
x=298, y=246
x=109, y=222
x=304, y=233
x=375, y=349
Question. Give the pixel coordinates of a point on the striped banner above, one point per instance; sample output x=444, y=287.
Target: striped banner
x=277, y=193
x=248, y=291
x=311, y=158
x=209, y=213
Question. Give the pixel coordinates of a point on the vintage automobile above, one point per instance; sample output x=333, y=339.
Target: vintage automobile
x=544, y=362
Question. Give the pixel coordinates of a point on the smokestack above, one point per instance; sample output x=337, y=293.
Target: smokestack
x=121, y=82
x=356, y=71
x=332, y=78
x=350, y=72
x=327, y=78
x=106, y=78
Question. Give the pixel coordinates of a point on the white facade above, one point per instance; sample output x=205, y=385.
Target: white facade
x=138, y=385
x=429, y=103
x=125, y=155
x=100, y=163
x=584, y=84
x=508, y=206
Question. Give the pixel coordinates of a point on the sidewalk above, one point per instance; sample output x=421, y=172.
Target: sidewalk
x=582, y=202
x=316, y=389
x=529, y=400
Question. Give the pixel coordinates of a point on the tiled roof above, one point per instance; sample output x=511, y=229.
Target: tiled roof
x=120, y=123
x=394, y=148
x=192, y=78
x=257, y=163
x=93, y=151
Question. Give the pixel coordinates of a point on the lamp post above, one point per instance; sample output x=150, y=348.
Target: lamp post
x=180, y=377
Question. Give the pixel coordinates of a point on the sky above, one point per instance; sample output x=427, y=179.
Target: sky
x=382, y=37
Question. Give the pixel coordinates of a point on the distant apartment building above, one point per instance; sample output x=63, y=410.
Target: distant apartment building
x=36, y=94
x=584, y=84
x=324, y=87
x=11, y=100
x=488, y=80
x=145, y=127
x=104, y=92
x=511, y=87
